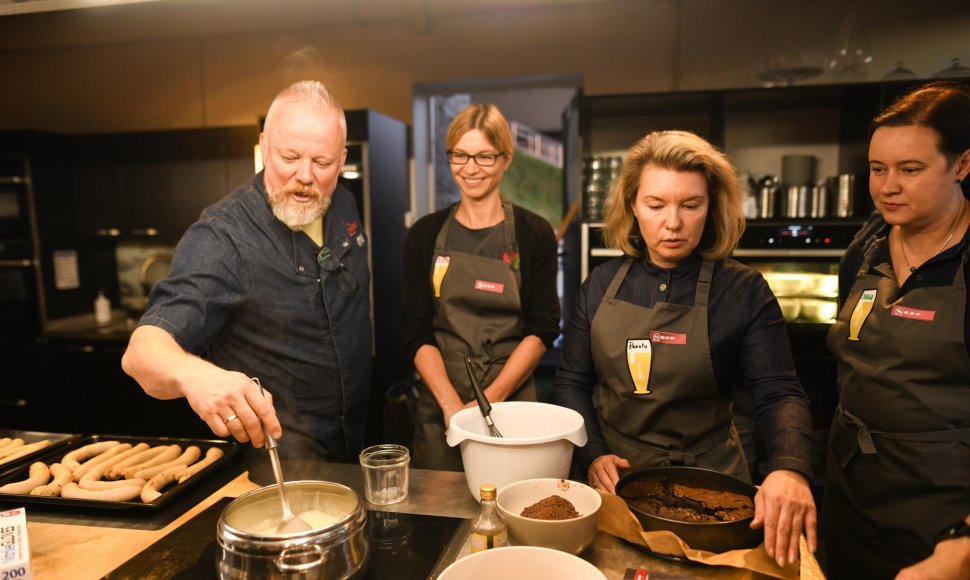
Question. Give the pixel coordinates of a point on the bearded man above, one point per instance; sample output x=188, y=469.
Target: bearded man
x=271, y=283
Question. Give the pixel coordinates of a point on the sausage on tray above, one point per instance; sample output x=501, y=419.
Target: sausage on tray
x=61, y=476
x=39, y=475
x=126, y=493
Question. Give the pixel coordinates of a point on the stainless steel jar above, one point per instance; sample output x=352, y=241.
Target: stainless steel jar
x=337, y=550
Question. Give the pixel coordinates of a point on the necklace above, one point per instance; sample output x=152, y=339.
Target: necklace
x=953, y=230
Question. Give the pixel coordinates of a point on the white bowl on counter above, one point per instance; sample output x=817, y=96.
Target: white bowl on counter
x=818, y=310
x=573, y=535
x=537, y=441
x=521, y=562
x=790, y=307
x=782, y=283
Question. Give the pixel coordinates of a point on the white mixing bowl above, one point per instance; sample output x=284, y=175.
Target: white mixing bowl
x=521, y=562
x=537, y=441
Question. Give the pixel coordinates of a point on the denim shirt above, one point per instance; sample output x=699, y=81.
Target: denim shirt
x=246, y=293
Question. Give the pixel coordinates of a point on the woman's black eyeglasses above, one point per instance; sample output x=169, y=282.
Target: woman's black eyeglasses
x=480, y=159
x=346, y=281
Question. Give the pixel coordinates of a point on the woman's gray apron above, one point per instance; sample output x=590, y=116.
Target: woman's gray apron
x=682, y=418
x=898, y=463
x=478, y=312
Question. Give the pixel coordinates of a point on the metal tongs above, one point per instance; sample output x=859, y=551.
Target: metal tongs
x=289, y=523
x=483, y=405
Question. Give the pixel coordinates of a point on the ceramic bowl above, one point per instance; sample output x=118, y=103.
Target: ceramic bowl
x=521, y=562
x=537, y=441
x=572, y=535
x=790, y=307
x=818, y=310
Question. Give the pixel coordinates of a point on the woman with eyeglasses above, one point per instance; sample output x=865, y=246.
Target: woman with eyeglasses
x=479, y=280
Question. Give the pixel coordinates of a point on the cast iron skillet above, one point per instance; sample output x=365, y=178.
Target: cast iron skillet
x=712, y=537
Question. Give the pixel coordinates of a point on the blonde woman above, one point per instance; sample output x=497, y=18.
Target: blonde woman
x=705, y=320
x=479, y=280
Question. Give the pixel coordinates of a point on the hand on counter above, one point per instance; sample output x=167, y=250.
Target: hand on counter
x=604, y=472
x=784, y=506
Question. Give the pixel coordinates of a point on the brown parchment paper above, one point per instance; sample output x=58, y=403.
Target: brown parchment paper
x=617, y=520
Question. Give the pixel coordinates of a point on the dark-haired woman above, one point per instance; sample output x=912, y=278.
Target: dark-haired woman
x=899, y=450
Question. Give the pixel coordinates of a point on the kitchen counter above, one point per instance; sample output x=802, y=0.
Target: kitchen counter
x=61, y=550
x=84, y=327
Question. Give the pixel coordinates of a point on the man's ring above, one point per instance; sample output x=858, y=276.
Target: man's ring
x=593, y=480
x=230, y=419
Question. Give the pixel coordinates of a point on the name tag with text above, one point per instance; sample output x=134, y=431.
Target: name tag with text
x=913, y=313
x=487, y=286
x=661, y=337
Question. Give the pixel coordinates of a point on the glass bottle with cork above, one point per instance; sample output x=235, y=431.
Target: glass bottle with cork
x=489, y=530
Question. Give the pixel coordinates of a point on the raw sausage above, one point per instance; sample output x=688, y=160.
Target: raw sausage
x=191, y=455
x=98, y=471
x=153, y=489
x=99, y=459
x=39, y=475
x=73, y=459
x=211, y=456
x=98, y=484
x=117, y=470
x=23, y=450
x=61, y=476
x=168, y=453
x=127, y=493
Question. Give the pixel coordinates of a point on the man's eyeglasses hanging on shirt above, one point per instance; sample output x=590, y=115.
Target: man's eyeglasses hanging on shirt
x=346, y=281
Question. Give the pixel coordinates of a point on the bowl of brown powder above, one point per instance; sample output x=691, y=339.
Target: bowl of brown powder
x=550, y=513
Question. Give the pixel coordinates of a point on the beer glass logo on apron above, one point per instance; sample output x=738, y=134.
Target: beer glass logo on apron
x=438, y=276
x=861, y=312
x=638, y=357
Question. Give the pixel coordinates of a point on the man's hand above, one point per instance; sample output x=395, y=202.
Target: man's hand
x=231, y=403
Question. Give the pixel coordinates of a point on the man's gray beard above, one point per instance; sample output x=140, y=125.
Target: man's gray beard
x=297, y=216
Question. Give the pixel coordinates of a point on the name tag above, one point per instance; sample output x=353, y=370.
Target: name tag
x=913, y=313
x=487, y=286
x=661, y=337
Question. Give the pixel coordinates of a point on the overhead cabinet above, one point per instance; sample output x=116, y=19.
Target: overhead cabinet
x=153, y=186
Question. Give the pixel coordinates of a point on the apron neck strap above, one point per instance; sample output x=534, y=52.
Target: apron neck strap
x=703, y=292
x=618, y=278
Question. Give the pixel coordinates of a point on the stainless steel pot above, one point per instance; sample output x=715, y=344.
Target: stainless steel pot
x=336, y=550
x=713, y=537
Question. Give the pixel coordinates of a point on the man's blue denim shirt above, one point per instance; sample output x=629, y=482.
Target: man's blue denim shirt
x=247, y=293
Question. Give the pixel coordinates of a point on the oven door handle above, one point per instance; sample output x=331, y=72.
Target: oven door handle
x=25, y=263
x=827, y=253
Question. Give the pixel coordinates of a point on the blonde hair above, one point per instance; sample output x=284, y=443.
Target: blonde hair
x=677, y=151
x=488, y=119
x=313, y=93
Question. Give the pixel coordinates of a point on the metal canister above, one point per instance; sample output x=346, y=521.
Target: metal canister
x=766, y=200
x=819, y=207
x=796, y=201
x=845, y=199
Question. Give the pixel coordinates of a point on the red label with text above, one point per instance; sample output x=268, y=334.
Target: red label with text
x=659, y=336
x=487, y=286
x=913, y=313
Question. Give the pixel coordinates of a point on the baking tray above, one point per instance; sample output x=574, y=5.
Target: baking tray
x=57, y=440
x=171, y=493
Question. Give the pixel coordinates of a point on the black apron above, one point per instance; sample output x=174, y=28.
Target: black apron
x=478, y=311
x=898, y=462
x=663, y=408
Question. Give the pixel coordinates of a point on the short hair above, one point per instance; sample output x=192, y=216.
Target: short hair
x=313, y=93
x=677, y=151
x=488, y=119
x=944, y=107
